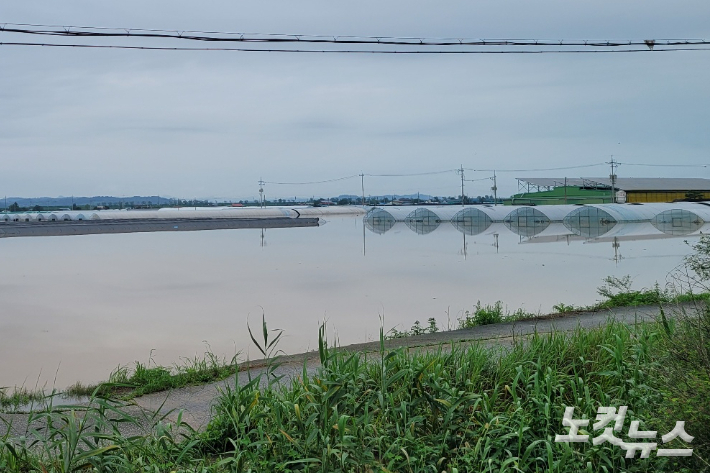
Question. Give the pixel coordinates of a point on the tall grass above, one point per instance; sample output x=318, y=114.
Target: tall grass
x=464, y=409
x=461, y=408
x=146, y=378
x=92, y=437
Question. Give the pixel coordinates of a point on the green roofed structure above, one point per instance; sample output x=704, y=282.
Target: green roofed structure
x=555, y=191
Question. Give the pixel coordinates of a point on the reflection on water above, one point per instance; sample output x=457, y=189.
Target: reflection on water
x=82, y=305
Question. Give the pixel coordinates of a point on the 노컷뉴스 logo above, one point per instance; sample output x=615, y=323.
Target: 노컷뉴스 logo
x=607, y=414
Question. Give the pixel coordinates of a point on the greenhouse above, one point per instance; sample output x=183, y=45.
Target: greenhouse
x=379, y=221
x=683, y=219
x=471, y=221
x=677, y=222
x=589, y=221
x=526, y=221
x=475, y=220
x=422, y=221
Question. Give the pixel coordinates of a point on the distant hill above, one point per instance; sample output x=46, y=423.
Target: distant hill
x=95, y=200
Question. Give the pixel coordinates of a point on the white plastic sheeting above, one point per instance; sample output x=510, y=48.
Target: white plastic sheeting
x=187, y=213
x=554, y=229
x=631, y=230
x=631, y=212
x=556, y=213
x=329, y=211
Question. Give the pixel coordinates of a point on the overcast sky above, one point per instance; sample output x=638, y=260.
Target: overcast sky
x=211, y=124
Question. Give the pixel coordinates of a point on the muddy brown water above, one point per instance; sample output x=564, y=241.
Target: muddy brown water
x=73, y=308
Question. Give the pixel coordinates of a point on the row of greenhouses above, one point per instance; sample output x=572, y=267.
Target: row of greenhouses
x=180, y=214
x=588, y=221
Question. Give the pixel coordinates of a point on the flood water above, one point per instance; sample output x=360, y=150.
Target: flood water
x=75, y=307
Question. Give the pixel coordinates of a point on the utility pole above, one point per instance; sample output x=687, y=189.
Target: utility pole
x=463, y=199
x=565, y=191
x=362, y=183
x=495, y=189
x=612, y=177
x=261, y=192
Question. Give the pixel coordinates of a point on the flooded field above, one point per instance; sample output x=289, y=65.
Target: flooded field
x=76, y=307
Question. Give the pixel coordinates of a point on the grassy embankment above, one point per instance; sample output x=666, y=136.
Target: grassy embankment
x=615, y=292
x=457, y=409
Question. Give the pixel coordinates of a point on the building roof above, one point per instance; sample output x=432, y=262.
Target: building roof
x=627, y=183
x=552, y=181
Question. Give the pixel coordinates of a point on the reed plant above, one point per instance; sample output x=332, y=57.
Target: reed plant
x=455, y=409
x=458, y=408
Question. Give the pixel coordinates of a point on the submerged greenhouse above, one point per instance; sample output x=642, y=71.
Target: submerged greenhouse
x=422, y=221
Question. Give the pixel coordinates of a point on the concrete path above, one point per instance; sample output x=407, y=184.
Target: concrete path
x=195, y=402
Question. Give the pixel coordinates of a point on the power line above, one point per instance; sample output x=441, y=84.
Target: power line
x=345, y=51
x=480, y=179
x=458, y=170
x=538, y=169
x=196, y=35
x=413, y=174
x=312, y=182
x=666, y=165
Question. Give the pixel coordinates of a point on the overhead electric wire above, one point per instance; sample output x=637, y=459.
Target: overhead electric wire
x=480, y=179
x=666, y=165
x=412, y=174
x=196, y=35
x=497, y=170
x=537, y=169
x=313, y=182
x=423, y=45
x=346, y=51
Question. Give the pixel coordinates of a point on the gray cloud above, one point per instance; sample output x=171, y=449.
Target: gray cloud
x=212, y=123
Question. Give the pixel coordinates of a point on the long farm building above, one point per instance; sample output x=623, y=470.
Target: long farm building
x=552, y=191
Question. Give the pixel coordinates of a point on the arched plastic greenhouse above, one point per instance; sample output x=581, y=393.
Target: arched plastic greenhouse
x=379, y=221
x=589, y=222
x=475, y=220
x=526, y=221
x=677, y=222
x=683, y=219
x=422, y=221
x=471, y=221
